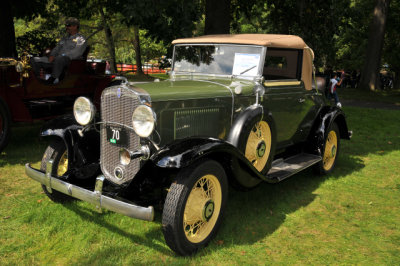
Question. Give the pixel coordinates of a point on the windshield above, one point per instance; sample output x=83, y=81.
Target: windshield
x=220, y=59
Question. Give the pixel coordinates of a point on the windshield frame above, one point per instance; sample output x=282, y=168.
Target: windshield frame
x=259, y=70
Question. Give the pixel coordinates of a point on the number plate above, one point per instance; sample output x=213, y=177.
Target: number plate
x=116, y=135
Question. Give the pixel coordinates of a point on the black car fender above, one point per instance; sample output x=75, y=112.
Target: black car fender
x=184, y=152
x=239, y=132
x=253, y=111
x=82, y=143
x=326, y=117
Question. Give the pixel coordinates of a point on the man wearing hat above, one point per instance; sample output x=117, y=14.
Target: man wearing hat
x=70, y=47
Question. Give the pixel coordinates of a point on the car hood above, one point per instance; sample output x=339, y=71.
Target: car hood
x=191, y=89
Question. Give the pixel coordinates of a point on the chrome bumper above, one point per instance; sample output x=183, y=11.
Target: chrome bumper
x=95, y=197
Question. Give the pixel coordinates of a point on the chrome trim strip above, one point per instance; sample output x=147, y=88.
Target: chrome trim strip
x=94, y=197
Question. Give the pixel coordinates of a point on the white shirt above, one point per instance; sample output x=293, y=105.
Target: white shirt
x=333, y=84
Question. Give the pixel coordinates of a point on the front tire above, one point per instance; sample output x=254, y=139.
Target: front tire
x=194, y=207
x=57, y=152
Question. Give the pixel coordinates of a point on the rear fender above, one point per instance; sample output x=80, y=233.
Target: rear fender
x=322, y=124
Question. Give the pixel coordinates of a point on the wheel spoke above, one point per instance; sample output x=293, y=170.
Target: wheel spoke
x=254, y=135
x=198, y=221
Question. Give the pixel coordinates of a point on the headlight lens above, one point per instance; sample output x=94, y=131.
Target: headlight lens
x=84, y=110
x=143, y=121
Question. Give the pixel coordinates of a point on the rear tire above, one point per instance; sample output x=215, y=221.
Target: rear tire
x=330, y=151
x=58, y=153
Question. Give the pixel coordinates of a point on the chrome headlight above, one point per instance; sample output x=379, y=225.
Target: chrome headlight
x=143, y=120
x=84, y=111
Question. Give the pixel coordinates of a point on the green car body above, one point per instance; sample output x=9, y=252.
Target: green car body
x=237, y=109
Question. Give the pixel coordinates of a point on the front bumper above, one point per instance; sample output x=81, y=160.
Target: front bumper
x=95, y=197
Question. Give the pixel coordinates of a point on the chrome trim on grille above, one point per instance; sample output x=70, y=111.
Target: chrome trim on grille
x=117, y=106
x=95, y=197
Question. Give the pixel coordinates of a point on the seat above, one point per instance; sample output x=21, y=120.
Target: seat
x=78, y=65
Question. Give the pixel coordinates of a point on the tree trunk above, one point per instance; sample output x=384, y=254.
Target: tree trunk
x=396, y=79
x=218, y=17
x=136, y=47
x=110, y=41
x=7, y=36
x=370, y=74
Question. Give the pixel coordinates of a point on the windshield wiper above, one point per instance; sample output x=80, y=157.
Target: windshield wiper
x=247, y=70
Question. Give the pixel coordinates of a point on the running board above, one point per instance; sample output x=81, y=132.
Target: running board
x=282, y=169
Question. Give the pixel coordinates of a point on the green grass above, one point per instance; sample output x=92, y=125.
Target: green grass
x=349, y=217
x=386, y=96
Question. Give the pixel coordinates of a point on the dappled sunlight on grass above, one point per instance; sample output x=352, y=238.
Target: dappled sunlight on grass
x=348, y=217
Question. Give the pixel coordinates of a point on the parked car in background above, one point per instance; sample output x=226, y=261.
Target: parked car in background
x=237, y=109
x=25, y=97
x=147, y=68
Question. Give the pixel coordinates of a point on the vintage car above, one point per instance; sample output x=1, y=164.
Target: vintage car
x=237, y=109
x=25, y=97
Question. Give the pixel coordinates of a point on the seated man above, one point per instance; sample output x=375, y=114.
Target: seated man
x=70, y=47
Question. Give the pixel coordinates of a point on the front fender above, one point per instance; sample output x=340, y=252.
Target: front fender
x=83, y=145
x=184, y=152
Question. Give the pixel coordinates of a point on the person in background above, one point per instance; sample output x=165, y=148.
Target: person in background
x=333, y=83
x=72, y=46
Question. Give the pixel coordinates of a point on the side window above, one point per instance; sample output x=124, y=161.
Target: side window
x=281, y=64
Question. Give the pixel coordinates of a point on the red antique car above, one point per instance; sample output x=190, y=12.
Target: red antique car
x=26, y=98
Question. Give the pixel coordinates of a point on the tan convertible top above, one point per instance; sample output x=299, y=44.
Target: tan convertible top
x=269, y=40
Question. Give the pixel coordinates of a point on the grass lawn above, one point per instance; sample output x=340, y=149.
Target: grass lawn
x=386, y=96
x=349, y=217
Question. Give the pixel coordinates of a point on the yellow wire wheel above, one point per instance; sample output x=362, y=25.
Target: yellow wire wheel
x=194, y=206
x=202, y=208
x=330, y=152
x=57, y=152
x=258, y=146
x=62, y=165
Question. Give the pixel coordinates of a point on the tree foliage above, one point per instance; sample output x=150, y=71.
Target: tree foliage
x=337, y=30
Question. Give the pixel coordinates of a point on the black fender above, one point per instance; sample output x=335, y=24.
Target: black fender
x=184, y=152
x=82, y=143
x=253, y=111
x=326, y=117
x=241, y=126
x=244, y=118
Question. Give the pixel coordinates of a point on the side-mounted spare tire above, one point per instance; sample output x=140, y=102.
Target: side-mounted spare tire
x=253, y=134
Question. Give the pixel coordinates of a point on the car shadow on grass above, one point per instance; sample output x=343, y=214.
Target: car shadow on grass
x=251, y=216
x=151, y=239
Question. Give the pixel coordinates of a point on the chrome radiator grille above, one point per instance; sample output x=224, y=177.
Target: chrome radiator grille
x=117, y=111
